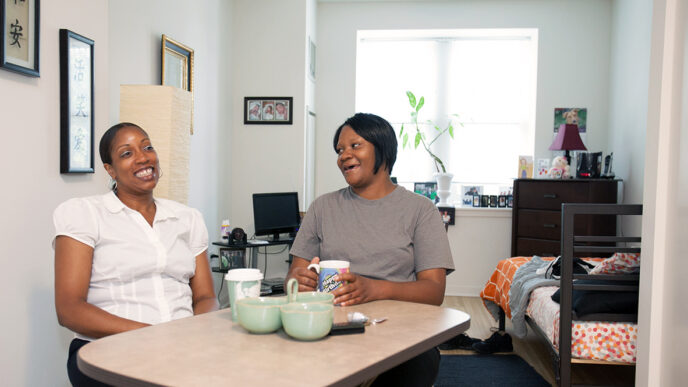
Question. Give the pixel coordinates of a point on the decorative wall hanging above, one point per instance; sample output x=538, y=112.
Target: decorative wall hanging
x=19, y=47
x=76, y=103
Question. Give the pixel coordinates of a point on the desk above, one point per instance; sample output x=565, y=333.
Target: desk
x=254, y=248
x=211, y=350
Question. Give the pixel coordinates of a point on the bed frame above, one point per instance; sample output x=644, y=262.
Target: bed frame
x=570, y=245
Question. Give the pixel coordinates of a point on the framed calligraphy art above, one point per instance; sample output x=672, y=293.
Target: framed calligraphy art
x=177, y=64
x=268, y=110
x=76, y=103
x=20, y=22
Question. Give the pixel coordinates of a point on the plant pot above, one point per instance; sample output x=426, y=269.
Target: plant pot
x=443, y=187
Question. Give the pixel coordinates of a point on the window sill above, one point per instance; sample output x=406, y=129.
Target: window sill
x=484, y=212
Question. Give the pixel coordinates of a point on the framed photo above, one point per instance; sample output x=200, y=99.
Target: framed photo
x=578, y=116
x=177, y=64
x=468, y=192
x=76, y=103
x=427, y=189
x=484, y=200
x=19, y=47
x=232, y=259
x=268, y=110
x=525, y=167
x=476, y=201
x=502, y=200
x=493, y=201
x=448, y=215
x=510, y=201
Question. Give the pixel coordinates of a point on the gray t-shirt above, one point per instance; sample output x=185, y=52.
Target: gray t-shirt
x=391, y=238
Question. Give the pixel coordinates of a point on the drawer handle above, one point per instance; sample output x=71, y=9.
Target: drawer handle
x=549, y=225
x=550, y=196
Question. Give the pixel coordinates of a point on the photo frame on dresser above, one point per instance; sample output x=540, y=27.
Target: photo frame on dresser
x=19, y=46
x=76, y=103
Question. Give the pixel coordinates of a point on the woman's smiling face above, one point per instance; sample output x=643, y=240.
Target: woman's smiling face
x=135, y=165
x=356, y=158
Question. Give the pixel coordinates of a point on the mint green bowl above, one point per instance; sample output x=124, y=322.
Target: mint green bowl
x=308, y=297
x=307, y=321
x=260, y=314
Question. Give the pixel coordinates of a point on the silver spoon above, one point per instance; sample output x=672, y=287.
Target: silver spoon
x=379, y=320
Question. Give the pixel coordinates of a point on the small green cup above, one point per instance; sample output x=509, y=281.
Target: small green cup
x=293, y=294
x=260, y=314
x=307, y=321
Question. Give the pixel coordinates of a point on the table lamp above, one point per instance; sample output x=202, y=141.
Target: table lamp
x=568, y=139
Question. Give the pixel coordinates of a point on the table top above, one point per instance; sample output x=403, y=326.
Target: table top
x=210, y=349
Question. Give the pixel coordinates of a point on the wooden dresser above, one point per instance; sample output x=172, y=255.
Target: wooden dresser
x=536, y=227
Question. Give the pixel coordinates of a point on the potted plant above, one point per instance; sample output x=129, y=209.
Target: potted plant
x=419, y=138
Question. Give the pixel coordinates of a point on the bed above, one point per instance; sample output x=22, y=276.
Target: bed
x=596, y=314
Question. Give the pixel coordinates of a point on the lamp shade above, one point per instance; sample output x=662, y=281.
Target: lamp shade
x=568, y=139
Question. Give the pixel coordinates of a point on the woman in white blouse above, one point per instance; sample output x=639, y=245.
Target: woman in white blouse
x=126, y=260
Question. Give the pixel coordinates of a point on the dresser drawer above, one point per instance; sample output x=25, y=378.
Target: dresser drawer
x=548, y=195
x=539, y=224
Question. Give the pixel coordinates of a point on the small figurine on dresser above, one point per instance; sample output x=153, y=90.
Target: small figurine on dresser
x=559, y=169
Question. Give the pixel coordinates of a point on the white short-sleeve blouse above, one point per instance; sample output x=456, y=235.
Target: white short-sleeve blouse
x=139, y=272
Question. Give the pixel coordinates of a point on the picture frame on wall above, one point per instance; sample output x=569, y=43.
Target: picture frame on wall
x=268, y=110
x=76, y=103
x=448, y=215
x=19, y=47
x=177, y=64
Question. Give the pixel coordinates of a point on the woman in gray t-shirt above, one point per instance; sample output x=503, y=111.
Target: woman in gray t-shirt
x=394, y=239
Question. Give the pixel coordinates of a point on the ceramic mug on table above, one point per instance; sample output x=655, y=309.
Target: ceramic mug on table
x=327, y=270
x=293, y=294
x=242, y=283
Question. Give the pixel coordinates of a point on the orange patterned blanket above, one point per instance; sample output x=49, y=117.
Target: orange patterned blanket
x=496, y=291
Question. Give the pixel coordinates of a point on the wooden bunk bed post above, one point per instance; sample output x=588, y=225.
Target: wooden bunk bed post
x=568, y=249
x=566, y=295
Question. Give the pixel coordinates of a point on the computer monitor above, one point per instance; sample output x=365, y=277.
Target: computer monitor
x=275, y=213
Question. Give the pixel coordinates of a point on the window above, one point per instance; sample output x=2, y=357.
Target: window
x=487, y=77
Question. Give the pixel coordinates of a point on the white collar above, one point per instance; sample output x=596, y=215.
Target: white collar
x=114, y=205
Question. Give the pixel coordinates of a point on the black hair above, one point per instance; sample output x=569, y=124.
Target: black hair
x=105, y=147
x=377, y=131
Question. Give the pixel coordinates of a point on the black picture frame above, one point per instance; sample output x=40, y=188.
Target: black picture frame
x=77, y=101
x=427, y=189
x=502, y=201
x=493, y=201
x=484, y=200
x=266, y=110
x=24, y=29
x=448, y=215
x=476, y=200
x=510, y=201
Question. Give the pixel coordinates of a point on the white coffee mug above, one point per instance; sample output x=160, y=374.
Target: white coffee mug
x=242, y=283
x=326, y=271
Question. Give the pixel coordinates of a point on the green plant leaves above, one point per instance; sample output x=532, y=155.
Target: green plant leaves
x=412, y=99
x=418, y=138
x=451, y=131
x=405, y=141
x=420, y=104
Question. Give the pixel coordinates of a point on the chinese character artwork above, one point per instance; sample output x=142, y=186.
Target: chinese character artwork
x=20, y=39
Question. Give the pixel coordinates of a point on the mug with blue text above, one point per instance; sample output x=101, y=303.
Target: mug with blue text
x=327, y=270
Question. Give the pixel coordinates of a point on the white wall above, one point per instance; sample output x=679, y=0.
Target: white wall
x=34, y=346
x=630, y=64
x=573, y=70
x=269, y=44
